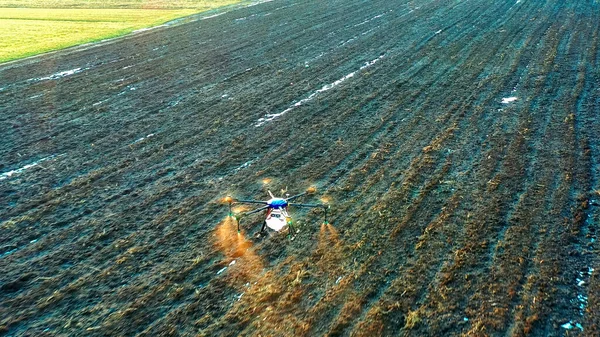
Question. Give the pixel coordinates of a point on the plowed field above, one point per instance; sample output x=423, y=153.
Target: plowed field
x=457, y=142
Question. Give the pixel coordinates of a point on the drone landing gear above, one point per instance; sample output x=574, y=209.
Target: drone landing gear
x=264, y=226
x=292, y=231
x=262, y=231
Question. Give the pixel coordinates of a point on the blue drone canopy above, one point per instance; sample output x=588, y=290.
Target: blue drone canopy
x=277, y=203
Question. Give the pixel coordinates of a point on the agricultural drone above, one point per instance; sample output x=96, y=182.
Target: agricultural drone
x=277, y=217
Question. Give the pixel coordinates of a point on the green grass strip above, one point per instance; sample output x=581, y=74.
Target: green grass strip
x=30, y=31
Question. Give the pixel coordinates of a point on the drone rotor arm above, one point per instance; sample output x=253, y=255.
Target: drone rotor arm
x=240, y=216
x=255, y=211
x=308, y=205
x=251, y=201
x=324, y=206
x=295, y=196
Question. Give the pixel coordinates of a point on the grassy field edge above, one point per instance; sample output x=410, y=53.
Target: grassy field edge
x=34, y=34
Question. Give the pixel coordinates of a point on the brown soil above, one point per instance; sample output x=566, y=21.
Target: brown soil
x=455, y=213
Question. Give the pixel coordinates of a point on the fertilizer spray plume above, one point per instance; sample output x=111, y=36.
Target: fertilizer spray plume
x=333, y=233
x=233, y=243
x=242, y=245
x=322, y=242
x=239, y=252
x=250, y=263
x=328, y=234
x=226, y=233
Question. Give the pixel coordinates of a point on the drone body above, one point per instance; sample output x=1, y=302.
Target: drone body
x=277, y=217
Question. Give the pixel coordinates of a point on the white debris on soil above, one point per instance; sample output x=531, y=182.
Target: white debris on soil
x=212, y=16
x=368, y=64
x=309, y=61
x=143, y=138
x=58, y=75
x=370, y=30
x=369, y=20
x=36, y=96
x=507, y=100
x=583, y=301
x=338, y=279
x=270, y=117
x=357, y=36
x=244, y=165
x=237, y=74
x=251, y=16
x=343, y=43
x=582, y=280
x=17, y=248
x=100, y=102
x=9, y=252
x=347, y=41
x=259, y=2
x=517, y=85
x=9, y=174
x=225, y=268
x=569, y=325
x=127, y=89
